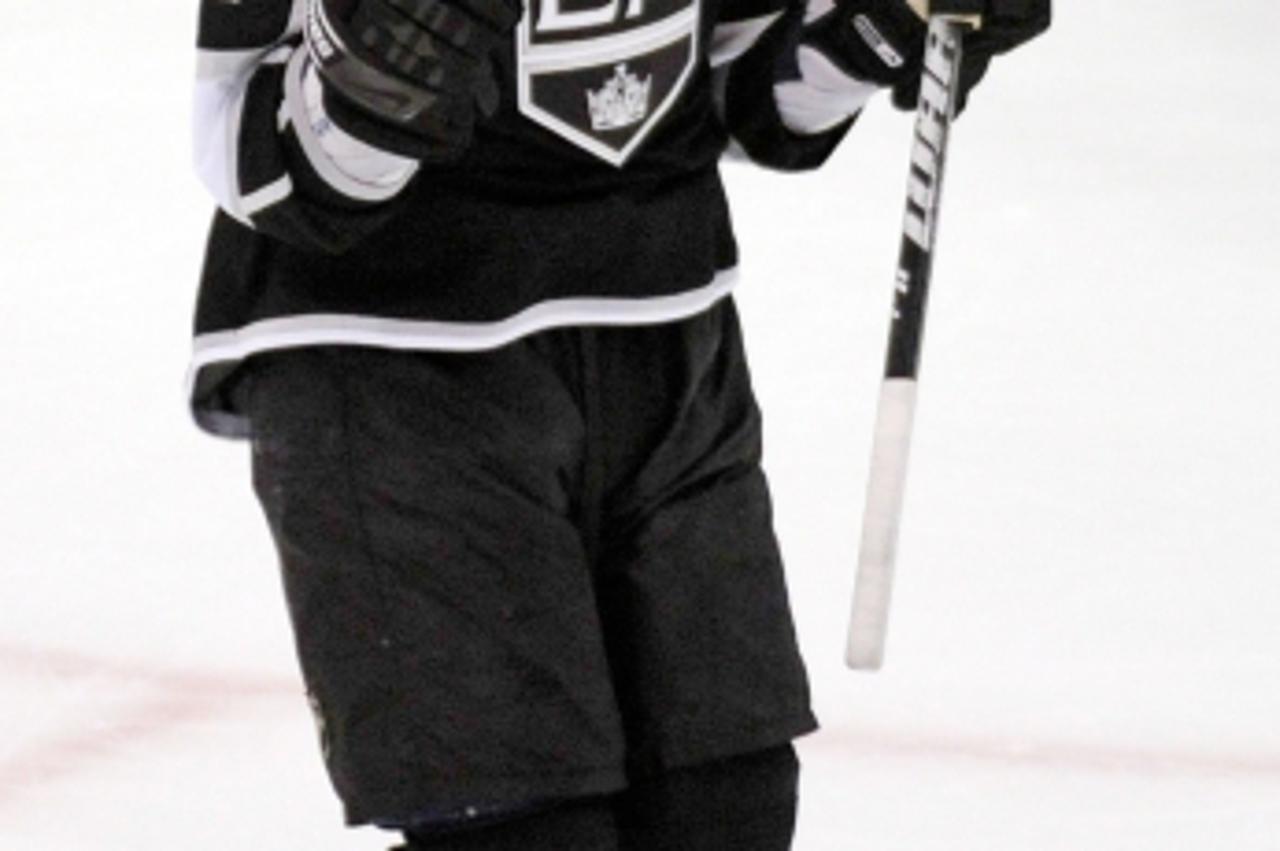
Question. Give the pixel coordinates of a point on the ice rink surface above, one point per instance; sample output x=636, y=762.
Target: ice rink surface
x=1085, y=642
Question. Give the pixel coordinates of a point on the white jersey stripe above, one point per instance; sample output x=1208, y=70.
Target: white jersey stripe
x=272, y=193
x=412, y=334
x=225, y=65
x=215, y=130
x=731, y=40
x=222, y=78
x=823, y=97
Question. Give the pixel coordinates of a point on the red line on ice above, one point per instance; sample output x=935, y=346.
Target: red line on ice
x=97, y=741
x=173, y=698
x=1056, y=756
x=70, y=664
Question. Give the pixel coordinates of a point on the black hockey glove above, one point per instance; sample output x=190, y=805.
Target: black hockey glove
x=882, y=41
x=409, y=75
x=1006, y=24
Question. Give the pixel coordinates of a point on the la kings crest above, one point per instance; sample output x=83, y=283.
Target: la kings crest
x=602, y=73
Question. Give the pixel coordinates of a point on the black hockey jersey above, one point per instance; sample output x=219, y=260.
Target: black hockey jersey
x=592, y=197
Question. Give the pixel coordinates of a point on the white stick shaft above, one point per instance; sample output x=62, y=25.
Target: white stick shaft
x=868, y=624
x=939, y=92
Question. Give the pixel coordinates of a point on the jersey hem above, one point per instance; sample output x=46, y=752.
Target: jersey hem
x=220, y=351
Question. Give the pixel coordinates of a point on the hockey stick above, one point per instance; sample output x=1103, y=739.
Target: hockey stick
x=939, y=89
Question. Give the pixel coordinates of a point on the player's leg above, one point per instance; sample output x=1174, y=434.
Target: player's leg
x=741, y=803
x=423, y=507
x=585, y=824
x=691, y=587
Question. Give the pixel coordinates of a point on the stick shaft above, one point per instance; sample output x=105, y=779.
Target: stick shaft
x=868, y=624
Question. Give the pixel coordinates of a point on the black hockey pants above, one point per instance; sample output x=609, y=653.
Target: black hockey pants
x=540, y=573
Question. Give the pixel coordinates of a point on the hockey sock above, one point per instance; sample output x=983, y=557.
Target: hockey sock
x=584, y=825
x=743, y=803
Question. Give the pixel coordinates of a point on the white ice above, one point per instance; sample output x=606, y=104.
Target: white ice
x=1085, y=640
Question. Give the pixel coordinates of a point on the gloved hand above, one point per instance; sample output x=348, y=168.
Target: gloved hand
x=882, y=41
x=409, y=75
x=1006, y=24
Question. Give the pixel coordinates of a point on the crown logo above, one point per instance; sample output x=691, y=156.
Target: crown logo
x=621, y=102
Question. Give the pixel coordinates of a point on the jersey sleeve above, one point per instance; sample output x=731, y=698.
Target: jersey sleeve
x=263, y=145
x=779, y=106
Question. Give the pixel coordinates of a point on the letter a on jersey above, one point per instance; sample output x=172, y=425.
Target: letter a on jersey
x=602, y=73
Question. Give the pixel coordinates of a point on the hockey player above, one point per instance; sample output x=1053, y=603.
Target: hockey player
x=468, y=293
